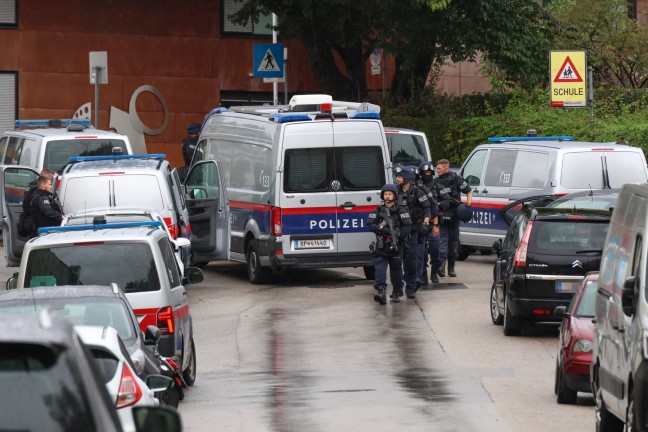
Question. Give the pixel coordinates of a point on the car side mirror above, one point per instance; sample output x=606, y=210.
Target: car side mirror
x=193, y=275
x=561, y=312
x=12, y=282
x=158, y=383
x=152, y=335
x=628, y=297
x=181, y=242
x=156, y=418
x=497, y=247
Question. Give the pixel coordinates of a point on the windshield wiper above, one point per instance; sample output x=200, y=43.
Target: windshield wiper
x=583, y=251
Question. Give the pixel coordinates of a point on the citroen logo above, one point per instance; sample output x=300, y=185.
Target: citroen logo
x=335, y=185
x=577, y=263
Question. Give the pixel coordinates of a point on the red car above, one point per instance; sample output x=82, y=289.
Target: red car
x=575, y=346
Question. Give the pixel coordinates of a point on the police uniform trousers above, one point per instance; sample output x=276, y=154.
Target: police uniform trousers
x=449, y=243
x=395, y=263
x=410, y=261
x=421, y=256
x=432, y=249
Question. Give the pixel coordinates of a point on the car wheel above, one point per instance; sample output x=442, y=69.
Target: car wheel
x=170, y=397
x=199, y=264
x=189, y=374
x=496, y=316
x=604, y=420
x=369, y=272
x=512, y=325
x=464, y=253
x=564, y=394
x=256, y=273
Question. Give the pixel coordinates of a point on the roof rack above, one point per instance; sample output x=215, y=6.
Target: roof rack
x=98, y=226
x=116, y=157
x=51, y=123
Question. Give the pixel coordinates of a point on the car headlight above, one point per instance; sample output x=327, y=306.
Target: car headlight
x=583, y=345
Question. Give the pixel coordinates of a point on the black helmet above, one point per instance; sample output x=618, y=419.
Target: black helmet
x=464, y=213
x=193, y=128
x=407, y=172
x=425, y=166
x=389, y=187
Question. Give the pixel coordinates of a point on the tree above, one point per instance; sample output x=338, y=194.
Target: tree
x=513, y=34
x=616, y=45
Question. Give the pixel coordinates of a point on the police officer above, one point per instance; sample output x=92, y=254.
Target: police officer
x=45, y=207
x=450, y=187
x=190, y=142
x=425, y=182
x=391, y=223
x=419, y=205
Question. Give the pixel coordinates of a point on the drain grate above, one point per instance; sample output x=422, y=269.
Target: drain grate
x=442, y=286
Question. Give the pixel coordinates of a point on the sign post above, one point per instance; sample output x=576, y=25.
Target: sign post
x=568, y=73
x=98, y=75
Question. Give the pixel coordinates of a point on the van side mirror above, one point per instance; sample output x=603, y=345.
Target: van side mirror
x=561, y=312
x=193, y=275
x=497, y=247
x=12, y=282
x=628, y=296
x=152, y=335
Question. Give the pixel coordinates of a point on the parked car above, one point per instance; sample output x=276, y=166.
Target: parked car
x=575, y=342
x=126, y=389
x=602, y=199
x=541, y=261
x=139, y=258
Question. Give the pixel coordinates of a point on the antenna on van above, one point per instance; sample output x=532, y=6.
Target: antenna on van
x=591, y=194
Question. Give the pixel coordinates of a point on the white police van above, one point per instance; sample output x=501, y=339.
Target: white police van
x=510, y=168
x=287, y=186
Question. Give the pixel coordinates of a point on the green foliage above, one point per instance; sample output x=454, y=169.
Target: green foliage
x=455, y=126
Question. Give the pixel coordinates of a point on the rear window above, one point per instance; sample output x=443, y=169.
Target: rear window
x=140, y=191
x=405, y=148
x=45, y=394
x=564, y=237
x=584, y=170
x=332, y=170
x=58, y=152
x=625, y=167
x=129, y=265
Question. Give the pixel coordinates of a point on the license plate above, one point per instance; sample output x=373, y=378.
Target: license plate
x=566, y=287
x=313, y=244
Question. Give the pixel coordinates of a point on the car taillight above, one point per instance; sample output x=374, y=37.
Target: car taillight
x=275, y=221
x=129, y=391
x=165, y=320
x=172, y=228
x=521, y=252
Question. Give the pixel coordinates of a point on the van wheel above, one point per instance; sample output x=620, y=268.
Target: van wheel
x=189, y=374
x=512, y=325
x=604, y=420
x=464, y=253
x=370, y=272
x=256, y=273
x=496, y=316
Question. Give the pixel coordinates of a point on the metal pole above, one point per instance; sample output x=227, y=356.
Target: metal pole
x=285, y=76
x=590, y=96
x=275, y=85
x=96, y=110
x=384, y=86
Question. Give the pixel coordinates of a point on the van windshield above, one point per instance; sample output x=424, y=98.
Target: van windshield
x=405, y=148
x=58, y=152
x=129, y=265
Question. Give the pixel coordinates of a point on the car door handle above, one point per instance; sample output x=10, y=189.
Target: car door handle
x=484, y=191
x=475, y=190
x=347, y=205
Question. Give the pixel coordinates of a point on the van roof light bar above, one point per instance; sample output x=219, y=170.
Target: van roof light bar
x=117, y=157
x=115, y=225
x=365, y=115
x=52, y=123
x=531, y=138
x=290, y=117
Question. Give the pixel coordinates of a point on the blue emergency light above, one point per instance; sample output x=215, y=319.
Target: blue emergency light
x=116, y=157
x=365, y=115
x=52, y=123
x=290, y=117
x=115, y=225
x=531, y=138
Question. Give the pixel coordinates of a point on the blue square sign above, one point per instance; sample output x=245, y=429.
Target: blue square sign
x=268, y=61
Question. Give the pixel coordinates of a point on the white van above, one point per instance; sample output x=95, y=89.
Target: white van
x=510, y=168
x=50, y=143
x=287, y=186
x=619, y=370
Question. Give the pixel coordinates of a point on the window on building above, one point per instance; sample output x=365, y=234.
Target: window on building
x=230, y=7
x=8, y=98
x=8, y=13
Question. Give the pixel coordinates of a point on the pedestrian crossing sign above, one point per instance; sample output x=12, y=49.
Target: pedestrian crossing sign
x=268, y=61
x=568, y=70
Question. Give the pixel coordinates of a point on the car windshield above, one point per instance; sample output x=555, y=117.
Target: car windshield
x=568, y=236
x=94, y=311
x=129, y=265
x=587, y=303
x=42, y=390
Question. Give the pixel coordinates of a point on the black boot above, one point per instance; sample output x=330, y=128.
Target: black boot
x=434, y=277
x=440, y=270
x=451, y=270
x=381, y=296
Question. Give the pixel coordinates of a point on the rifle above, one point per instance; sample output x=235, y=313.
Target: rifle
x=394, y=232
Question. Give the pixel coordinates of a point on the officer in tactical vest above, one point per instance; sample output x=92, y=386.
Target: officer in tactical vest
x=450, y=187
x=425, y=182
x=419, y=207
x=391, y=223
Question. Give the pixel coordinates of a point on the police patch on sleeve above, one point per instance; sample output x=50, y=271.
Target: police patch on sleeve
x=404, y=215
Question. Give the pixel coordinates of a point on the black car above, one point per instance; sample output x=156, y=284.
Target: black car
x=602, y=199
x=544, y=256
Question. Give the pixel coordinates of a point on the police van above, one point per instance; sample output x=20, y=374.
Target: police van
x=287, y=186
x=510, y=168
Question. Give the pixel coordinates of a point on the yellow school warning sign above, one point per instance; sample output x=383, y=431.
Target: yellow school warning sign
x=567, y=71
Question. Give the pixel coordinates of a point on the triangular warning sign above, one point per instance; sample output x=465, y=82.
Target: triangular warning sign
x=268, y=63
x=568, y=72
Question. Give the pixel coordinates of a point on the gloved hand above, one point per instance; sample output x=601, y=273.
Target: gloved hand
x=385, y=231
x=425, y=228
